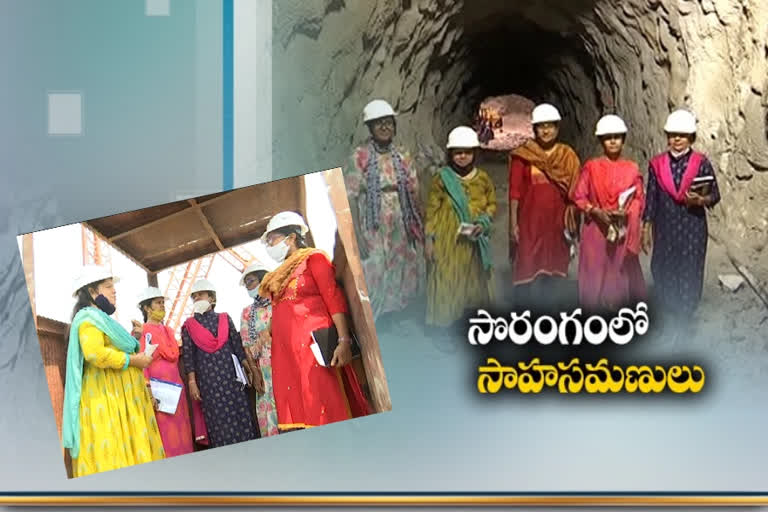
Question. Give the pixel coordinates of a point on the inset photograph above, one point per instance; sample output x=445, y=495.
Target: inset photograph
x=204, y=323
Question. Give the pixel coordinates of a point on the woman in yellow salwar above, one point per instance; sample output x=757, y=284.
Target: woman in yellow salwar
x=460, y=210
x=109, y=419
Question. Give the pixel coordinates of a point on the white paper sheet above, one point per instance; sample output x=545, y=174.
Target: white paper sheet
x=148, y=348
x=166, y=393
x=625, y=196
x=239, y=372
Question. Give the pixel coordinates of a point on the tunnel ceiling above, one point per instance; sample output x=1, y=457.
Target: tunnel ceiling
x=561, y=17
x=435, y=59
x=523, y=48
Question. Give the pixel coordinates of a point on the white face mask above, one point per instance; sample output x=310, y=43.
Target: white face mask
x=278, y=252
x=254, y=293
x=201, y=306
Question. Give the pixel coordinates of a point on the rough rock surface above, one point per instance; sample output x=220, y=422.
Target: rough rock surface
x=638, y=58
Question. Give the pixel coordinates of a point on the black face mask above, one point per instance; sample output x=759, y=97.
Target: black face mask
x=462, y=171
x=103, y=304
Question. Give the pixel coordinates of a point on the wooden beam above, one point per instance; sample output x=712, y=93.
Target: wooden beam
x=233, y=262
x=163, y=219
x=159, y=254
x=117, y=248
x=303, y=206
x=206, y=224
x=234, y=242
x=357, y=294
x=152, y=279
x=28, y=261
x=239, y=258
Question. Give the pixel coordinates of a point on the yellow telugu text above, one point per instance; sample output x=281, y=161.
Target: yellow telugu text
x=573, y=377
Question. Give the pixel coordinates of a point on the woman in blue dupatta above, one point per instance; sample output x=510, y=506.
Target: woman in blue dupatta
x=109, y=419
x=460, y=210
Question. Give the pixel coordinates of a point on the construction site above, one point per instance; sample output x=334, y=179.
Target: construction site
x=173, y=245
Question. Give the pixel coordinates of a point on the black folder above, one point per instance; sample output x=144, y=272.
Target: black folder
x=702, y=185
x=328, y=339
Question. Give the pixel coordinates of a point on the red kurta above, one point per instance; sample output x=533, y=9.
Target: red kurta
x=542, y=248
x=610, y=275
x=307, y=394
x=175, y=429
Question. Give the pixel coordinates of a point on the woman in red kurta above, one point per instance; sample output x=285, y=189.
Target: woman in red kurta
x=610, y=276
x=175, y=429
x=306, y=297
x=542, y=173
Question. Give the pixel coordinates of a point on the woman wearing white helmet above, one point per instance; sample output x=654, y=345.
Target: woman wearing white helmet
x=681, y=186
x=175, y=428
x=306, y=298
x=383, y=188
x=460, y=210
x=210, y=340
x=542, y=174
x=108, y=416
x=255, y=331
x=610, y=193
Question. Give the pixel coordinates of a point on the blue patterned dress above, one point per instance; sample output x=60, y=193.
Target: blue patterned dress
x=225, y=403
x=680, y=237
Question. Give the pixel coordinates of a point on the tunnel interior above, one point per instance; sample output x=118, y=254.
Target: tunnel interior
x=435, y=61
x=538, y=52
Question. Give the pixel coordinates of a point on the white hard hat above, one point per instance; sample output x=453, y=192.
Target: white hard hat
x=203, y=285
x=265, y=265
x=545, y=113
x=377, y=109
x=681, y=121
x=90, y=274
x=151, y=292
x=284, y=219
x=610, y=125
x=463, y=137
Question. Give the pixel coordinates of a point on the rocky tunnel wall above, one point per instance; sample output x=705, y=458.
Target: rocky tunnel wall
x=434, y=60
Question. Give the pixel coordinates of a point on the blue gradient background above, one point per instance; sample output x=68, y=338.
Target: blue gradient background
x=152, y=103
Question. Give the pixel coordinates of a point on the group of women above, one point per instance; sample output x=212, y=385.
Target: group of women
x=555, y=203
x=399, y=239
x=619, y=216
x=112, y=419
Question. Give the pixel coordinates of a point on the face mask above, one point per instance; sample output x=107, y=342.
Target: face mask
x=254, y=293
x=201, y=306
x=103, y=304
x=278, y=252
x=677, y=154
x=157, y=316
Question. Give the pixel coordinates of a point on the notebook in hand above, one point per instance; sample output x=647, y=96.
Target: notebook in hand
x=328, y=339
x=702, y=185
x=466, y=229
